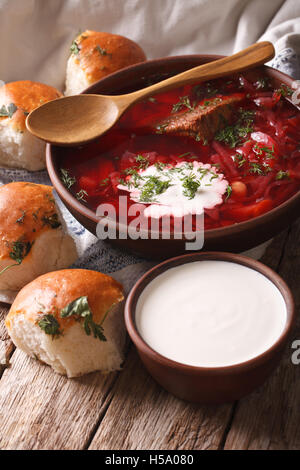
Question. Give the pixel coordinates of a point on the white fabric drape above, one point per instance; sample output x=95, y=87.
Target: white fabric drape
x=35, y=35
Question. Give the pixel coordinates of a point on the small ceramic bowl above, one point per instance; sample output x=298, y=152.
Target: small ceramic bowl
x=234, y=238
x=209, y=384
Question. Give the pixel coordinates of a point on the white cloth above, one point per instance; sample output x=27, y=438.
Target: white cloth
x=35, y=37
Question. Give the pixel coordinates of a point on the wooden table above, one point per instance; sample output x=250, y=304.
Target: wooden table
x=127, y=410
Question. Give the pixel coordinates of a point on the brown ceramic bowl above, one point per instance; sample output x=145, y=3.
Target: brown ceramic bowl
x=209, y=384
x=235, y=238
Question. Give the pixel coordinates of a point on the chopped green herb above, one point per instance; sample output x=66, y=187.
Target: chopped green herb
x=74, y=49
x=152, y=100
x=143, y=161
x=284, y=90
x=160, y=165
x=262, y=83
x=258, y=169
x=135, y=176
x=67, y=180
x=81, y=309
x=51, y=220
x=50, y=325
x=81, y=195
x=211, y=102
x=101, y=50
x=228, y=192
x=8, y=111
x=190, y=185
x=19, y=250
x=183, y=101
x=269, y=152
x=153, y=187
x=20, y=220
x=104, y=182
x=160, y=129
x=184, y=155
x=234, y=135
x=282, y=175
x=239, y=159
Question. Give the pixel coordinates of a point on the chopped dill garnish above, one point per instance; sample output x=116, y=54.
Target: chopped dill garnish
x=282, y=175
x=239, y=159
x=184, y=101
x=101, y=50
x=262, y=83
x=19, y=250
x=74, y=49
x=104, y=182
x=228, y=192
x=190, y=185
x=143, y=161
x=258, y=169
x=160, y=129
x=81, y=195
x=51, y=220
x=284, y=90
x=153, y=187
x=236, y=133
x=8, y=111
x=67, y=180
x=212, y=102
x=20, y=220
x=269, y=152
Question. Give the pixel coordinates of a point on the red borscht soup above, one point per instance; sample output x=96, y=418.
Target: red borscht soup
x=228, y=148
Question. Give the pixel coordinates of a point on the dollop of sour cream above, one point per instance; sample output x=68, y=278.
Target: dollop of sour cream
x=186, y=188
x=210, y=313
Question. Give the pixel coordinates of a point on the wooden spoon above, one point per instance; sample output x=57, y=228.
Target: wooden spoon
x=77, y=119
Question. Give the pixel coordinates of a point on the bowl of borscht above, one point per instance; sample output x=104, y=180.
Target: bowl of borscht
x=228, y=149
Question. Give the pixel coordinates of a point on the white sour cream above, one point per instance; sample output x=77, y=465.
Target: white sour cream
x=210, y=313
x=178, y=199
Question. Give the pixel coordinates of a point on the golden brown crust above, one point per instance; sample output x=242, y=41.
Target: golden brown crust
x=26, y=210
x=26, y=96
x=103, y=53
x=51, y=292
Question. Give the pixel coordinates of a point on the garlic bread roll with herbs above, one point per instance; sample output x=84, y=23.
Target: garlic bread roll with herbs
x=33, y=237
x=72, y=320
x=95, y=55
x=18, y=148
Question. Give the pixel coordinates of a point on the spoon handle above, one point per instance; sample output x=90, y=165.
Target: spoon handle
x=252, y=56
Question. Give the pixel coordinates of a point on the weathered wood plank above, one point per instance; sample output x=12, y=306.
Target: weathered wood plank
x=148, y=418
x=269, y=418
x=6, y=345
x=143, y=416
x=274, y=252
x=42, y=410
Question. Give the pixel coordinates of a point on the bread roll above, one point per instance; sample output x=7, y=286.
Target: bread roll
x=33, y=239
x=71, y=320
x=18, y=148
x=95, y=55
